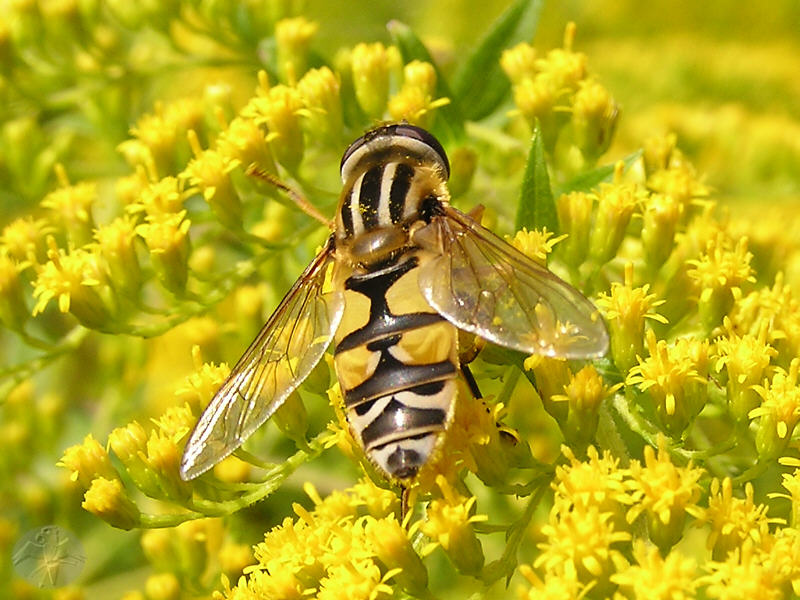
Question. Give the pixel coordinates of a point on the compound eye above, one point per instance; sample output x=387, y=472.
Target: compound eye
x=418, y=133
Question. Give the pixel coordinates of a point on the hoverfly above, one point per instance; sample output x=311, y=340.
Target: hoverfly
x=401, y=273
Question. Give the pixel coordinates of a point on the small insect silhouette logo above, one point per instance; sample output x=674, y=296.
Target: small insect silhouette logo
x=48, y=557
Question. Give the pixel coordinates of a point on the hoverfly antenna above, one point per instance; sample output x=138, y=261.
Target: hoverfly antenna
x=398, y=138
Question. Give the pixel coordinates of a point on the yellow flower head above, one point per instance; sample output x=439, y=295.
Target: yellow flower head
x=448, y=522
x=415, y=100
x=654, y=577
x=116, y=242
x=77, y=279
x=536, y=244
x=24, y=239
x=665, y=492
x=280, y=108
x=372, y=66
x=293, y=38
x=582, y=544
x=733, y=520
x=779, y=411
x=718, y=274
x=210, y=171
x=106, y=498
x=321, y=93
x=88, y=461
x=71, y=207
x=626, y=308
x=674, y=377
x=744, y=573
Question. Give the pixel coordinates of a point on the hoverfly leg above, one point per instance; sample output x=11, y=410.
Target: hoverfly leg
x=471, y=383
x=299, y=199
x=405, y=504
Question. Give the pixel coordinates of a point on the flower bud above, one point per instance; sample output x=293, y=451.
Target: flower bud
x=292, y=38
x=167, y=237
x=575, y=217
x=372, y=67
x=106, y=498
x=87, y=461
x=320, y=90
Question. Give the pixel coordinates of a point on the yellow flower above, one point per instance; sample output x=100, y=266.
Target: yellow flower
x=164, y=196
x=666, y=493
x=162, y=586
x=372, y=66
x=779, y=411
x=88, y=461
x=743, y=574
x=626, y=308
x=575, y=218
x=106, y=498
x=245, y=141
x=167, y=237
x=356, y=580
x=718, y=275
x=615, y=205
x=673, y=577
x=584, y=394
x=554, y=586
x=116, y=242
x=448, y=522
x=744, y=357
x=78, y=281
x=280, y=108
x=292, y=38
x=733, y=520
x=210, y=171
x=582, y=544
x=536, y=244
x=597, y=482
x=24, y=239
x=674, y=376
x=71, y=206
x=414, y=102
x=321, y=93
x=661, y=215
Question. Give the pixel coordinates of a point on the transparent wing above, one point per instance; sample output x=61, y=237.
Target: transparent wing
x=285, y=351
x=484, y=285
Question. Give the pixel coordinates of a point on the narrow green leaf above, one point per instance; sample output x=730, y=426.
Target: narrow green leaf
x=536, y=208
x=591, y=179
x=449, y=122
x=480, y=85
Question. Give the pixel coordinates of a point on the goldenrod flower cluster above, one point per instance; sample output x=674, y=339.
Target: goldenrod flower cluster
x=156, y=221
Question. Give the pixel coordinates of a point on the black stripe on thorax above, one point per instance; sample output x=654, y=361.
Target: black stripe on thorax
x=401, y=183
x=347, y=215
x=370, y=196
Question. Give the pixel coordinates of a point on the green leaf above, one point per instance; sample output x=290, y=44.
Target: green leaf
x=480, y=85
x=536, y=208
x=591, y=179
x=449, y=122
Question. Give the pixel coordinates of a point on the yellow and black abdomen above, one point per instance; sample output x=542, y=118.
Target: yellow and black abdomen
x=397, y=363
